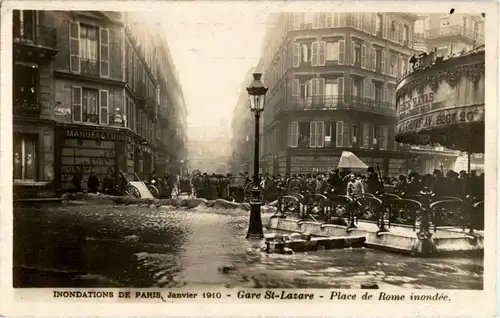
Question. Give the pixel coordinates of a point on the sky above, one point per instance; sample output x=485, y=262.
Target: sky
x=213, y=47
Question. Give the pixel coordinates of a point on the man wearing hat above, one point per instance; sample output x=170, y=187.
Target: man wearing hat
x=372, y=181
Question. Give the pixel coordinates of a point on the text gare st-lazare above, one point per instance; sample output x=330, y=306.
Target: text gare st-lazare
x=270, y=294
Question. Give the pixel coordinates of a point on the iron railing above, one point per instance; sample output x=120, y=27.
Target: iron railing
x=34, y=34
x=89, y=67
x=455, y=30
x=335, y=102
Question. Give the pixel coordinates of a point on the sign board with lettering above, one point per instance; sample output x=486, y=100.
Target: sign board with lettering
x=439, y=118
x=93, y=134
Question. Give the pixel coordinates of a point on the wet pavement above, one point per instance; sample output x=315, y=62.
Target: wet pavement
x=113, y=246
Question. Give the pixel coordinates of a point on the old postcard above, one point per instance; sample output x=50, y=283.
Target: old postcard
x=248, y=158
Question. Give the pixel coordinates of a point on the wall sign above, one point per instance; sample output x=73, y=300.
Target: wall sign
x=466, y=114
x=94, y=134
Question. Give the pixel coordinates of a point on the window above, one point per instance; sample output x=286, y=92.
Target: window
x=304, y=53
x=377, y=60
x=104, y=107
x=356, y=57
x=332, y=51
x=355, y=135
x=24, y=24
x=339, y=138
x=366, y=136
x=88, y=50
x=293, y=134
x=316, y=134
x=331, y=87
x=394, y=65
x=320, y=20
x=308, y=20
x=90, y=113
x=393, y=34
x=379, y=24
x=25, y=84
x=356, y=87
x=375, y=135
x=406, y=35
x=384, y=137
x=24, y=153
x=332, y=19
x=378, y=93
x=329, y=129
x=404, y=65
x=131, y=115
x=104, y=52
x=341, y=52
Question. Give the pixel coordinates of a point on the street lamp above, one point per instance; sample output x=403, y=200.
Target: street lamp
x=257, y=93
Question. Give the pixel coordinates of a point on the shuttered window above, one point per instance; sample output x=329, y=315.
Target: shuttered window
x=341, y=52
x=74, y=47
x=296, y=54
x=314, y=54
x=103, y=107
x=339, y=140
x=294, y=134
x=321, y=53
x=104, y=52
x=363, y=56
x=312, y=134
x=76, y=101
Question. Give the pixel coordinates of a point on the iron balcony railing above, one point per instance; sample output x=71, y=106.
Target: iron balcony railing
x=89, y=67
x=337, y=102
x=455, y=30
x=34, y=34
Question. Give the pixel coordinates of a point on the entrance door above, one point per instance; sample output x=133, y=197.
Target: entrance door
x=25, y=157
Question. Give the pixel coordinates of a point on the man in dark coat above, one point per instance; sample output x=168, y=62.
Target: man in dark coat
x=373, y=183
x=93, y=182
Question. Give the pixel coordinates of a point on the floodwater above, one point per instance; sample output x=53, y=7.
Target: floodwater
x=110, y=246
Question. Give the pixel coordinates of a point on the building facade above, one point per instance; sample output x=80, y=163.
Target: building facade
x=449, y=34
x=243, y=131
x=100, y=95
x=332, y=79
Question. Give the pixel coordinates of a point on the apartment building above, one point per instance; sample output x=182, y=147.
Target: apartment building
x=35, y=43
x=449, y=34
x=332, y=79
x=98, y=92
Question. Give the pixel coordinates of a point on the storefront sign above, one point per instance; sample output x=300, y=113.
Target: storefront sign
x=439, y=118
x=94, y=134
x=33, y=108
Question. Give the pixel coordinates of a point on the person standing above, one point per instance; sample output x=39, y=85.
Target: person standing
x=93, y=182
x=354, y=187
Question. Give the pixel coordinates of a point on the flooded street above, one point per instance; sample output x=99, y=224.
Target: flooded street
x=162, y=247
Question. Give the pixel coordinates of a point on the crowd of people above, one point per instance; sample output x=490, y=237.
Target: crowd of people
x=346, y=183
x=223, y=186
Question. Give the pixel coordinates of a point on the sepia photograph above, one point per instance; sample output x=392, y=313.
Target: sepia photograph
x=275, y=150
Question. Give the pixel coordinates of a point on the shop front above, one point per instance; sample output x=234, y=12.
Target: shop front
x=100, y=150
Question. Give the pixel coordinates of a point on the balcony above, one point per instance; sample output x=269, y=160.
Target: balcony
x=455, y=30
x=340, y=102
x=89, y=67
x=34, y=40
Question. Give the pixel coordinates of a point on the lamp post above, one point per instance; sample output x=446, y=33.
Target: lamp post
x=257, y=93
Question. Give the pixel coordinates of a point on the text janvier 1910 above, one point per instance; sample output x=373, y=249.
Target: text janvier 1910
x=266, y=294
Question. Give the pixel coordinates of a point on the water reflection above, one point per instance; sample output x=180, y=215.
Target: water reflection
x=143, y=247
